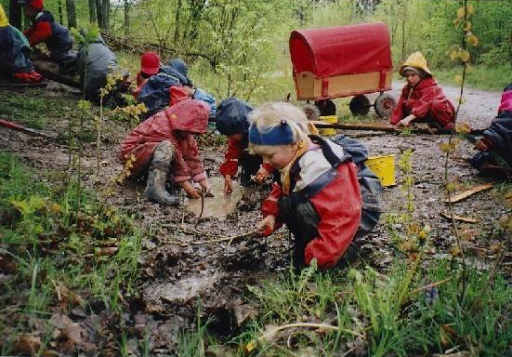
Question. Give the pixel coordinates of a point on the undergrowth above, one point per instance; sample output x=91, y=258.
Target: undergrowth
x=55, y=257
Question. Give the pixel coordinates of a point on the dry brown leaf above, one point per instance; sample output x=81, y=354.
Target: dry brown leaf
x=26, y=344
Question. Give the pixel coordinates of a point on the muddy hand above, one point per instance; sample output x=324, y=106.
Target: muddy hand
x=228, y=185
x=266, y=231
x=190, y=190
x=206, y=188
x=261, y=175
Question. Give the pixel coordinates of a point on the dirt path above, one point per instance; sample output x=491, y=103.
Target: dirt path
x=187, y=260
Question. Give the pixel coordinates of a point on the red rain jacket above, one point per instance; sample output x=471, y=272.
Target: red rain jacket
x=339, y=207
x=188, y=117
x=423, y=100
x=232, y=158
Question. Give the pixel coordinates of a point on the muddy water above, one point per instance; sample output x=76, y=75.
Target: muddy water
x=220, y=205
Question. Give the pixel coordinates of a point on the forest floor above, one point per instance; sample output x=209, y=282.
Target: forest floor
x=212, y=259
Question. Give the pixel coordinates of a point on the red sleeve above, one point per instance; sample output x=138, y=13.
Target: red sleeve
x=269, y=205
x=189, y=164
x=398, y=114
x=270, y=169
x=339, y=206
x=38, y=33
x=233, y=154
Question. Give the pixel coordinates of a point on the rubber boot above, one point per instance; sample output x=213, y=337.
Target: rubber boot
x=155, y=188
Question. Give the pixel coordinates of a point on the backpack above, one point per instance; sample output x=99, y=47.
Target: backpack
x=371, y=188
x=155, y=92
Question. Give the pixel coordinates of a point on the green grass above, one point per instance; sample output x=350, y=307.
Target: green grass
x=478, y=77
x=53, y=243
x=399, y=314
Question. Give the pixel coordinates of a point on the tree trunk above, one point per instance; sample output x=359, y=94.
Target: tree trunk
x=92, y=12
x=126, y=10
x=70, y=9
x=15, y=13
x=177, y=22
x=59, y=10
x=102, y=10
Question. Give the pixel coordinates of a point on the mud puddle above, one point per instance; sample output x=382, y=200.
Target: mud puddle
x=221, y=205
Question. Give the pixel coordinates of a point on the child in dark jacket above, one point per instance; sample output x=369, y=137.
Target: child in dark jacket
x=95, y=63
x=165, y=143
x=422, y=100
x=318, y=195
x=45, y=30
x=231, y=120
x=495, y=146
x=14, y=61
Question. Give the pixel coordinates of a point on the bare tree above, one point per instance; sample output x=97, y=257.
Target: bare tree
x=15, y=13
x=126, y=10
x=102, y=11
x=71, y=11
x=92, y=12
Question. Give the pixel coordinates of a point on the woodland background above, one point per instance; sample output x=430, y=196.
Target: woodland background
x=89, y=268
x=234, y=45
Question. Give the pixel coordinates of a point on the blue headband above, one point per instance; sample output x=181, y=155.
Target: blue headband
x=278, y=135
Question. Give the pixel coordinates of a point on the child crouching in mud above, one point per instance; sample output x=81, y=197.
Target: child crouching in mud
x=317, y=195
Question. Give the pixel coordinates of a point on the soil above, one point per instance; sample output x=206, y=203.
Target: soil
x=210, y=260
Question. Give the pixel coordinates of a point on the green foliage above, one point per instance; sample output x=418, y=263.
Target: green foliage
x=91, y=253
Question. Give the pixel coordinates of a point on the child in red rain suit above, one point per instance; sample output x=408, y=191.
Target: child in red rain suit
x=318, y=197
x=422, y=100
x=231, y=120
x=165, y=143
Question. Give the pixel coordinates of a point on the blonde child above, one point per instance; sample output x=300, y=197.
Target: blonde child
x=318, y=195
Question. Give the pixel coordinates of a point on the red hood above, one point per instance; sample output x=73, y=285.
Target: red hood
x=189, y=115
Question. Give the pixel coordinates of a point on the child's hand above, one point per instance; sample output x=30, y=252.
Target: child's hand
x=406, y=121
x=267, y=225
x=228, y=185
x=206, y=188
x=261, y=175
x=480, y=145
x=190, y=190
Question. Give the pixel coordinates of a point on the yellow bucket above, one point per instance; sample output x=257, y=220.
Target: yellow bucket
x=384, y=168
x=331, y=119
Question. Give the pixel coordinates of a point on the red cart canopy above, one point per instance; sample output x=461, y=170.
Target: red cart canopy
x=341, y=50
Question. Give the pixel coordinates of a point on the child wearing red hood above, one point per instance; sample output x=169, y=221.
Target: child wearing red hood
x=164, y=144
x=422, y=100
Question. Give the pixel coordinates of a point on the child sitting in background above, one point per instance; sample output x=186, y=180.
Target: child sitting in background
x=318, y=197
x=495, y=146
x=312, y=112
x=45, y=30
x=231, y=120
x=422, y=100
x=149, y=66
x=14, y=61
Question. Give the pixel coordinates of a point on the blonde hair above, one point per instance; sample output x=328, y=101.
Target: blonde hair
x=270, y=115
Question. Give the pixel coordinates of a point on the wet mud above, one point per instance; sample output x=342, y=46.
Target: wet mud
x=204, y=253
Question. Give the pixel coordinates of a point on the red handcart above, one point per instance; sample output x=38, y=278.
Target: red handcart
x=344, y=61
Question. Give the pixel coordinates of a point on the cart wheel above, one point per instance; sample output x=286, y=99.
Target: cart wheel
x=326, y=107
x=360, y=105
x=384, y=105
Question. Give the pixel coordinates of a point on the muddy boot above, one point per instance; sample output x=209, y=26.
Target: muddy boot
x=157, y=176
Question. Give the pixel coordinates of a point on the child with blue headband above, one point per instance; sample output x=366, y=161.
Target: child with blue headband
x=317, y=196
